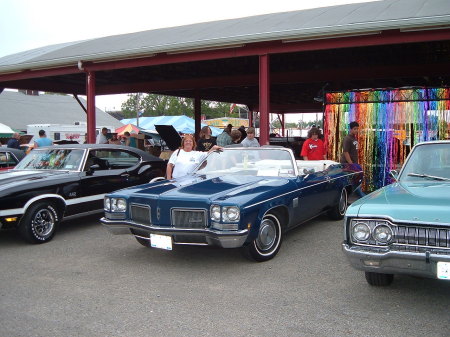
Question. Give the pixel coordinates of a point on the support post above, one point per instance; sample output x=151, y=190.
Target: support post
x=91, y=123
x=250, y=117
x=264, y=99
x=197, y=114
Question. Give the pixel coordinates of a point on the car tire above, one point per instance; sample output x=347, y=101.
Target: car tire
x=378, y=279
x=268, y=242
x=144, y=242
x=338, y=210
x=39, y=223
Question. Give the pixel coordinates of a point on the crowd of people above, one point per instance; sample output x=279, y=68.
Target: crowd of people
x=191, y=153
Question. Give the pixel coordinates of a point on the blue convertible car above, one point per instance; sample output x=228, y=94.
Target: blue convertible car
x=404, y=228
x=238, y=197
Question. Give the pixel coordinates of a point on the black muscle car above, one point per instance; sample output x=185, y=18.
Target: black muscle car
x=10, y=157
x=64, y=181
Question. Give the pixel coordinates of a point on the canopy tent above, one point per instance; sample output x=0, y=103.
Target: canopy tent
x=6, y=131
x=182, y=123
x=129, y=127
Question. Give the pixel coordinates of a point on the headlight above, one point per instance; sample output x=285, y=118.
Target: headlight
x=118, y=205
x=382, y=233
x=107, y=204
x=215, y=212
x=360, y=231
x=230, y=213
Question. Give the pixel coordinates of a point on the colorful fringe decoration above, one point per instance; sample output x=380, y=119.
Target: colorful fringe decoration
x=391, y=122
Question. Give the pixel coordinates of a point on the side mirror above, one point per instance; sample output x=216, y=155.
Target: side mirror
x=394, y=174
x=92, y=168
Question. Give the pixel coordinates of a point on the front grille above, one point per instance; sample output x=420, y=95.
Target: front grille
x=422, y=236
x=189, y=218
x=141, y=214
x=409, y=236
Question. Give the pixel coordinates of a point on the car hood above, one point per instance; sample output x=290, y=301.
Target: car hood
x=17, y=177
x=418, y=202
x=196, y=187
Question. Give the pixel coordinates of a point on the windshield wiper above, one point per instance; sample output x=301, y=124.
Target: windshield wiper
x=420, y=175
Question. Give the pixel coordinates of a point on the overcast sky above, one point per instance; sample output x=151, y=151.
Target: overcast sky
x=28, y=24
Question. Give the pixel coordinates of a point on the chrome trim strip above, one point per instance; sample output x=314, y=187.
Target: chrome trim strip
x=84, y=199
x=300, y=189
x=13, y=211
x=412, y=245
x=173, y=230
x=376, y=217
x=67, y=202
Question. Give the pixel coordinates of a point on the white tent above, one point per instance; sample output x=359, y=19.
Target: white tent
x=5, y=130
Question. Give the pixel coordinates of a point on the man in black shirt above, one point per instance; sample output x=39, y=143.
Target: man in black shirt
x=350, y=151
x=350, y=148
x=14, y=141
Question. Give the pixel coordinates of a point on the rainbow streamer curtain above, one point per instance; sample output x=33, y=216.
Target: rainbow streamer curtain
x=391, y=122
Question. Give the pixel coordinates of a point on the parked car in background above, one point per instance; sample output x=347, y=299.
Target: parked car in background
x=10, y=157
x=63, y=181
x=238, y=197
x=404, y=228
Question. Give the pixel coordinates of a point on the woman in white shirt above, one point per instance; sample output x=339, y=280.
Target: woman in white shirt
x=184, y=160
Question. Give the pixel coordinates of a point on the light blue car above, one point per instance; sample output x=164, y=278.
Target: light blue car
x=404, y=228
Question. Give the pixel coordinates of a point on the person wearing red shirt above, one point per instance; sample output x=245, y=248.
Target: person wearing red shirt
x=313, y=148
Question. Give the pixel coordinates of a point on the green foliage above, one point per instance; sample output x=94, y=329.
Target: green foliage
x=160, y=105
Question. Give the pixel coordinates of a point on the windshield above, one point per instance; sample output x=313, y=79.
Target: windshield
x=52, y=159
x=248, y=161
x=429, y=161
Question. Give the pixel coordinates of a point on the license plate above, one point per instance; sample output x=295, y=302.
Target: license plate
x=161, y=241
x=443, y=270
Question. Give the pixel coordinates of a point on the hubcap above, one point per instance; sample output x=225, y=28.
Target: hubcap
x=267, y=235
x=343, y=202
x=43, y=222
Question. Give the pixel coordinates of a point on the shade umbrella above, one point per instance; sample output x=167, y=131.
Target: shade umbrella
x=129, y=127
x=6, y=131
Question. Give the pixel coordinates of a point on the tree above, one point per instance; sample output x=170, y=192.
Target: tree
x=161, y=105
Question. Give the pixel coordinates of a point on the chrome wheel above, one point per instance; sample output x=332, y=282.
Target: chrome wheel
x=343, y=202
x=43, y=222
x=39, y=223
x=267, y=244
x=267, y=235
x=337, y=212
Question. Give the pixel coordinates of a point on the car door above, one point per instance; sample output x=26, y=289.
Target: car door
x=312, y=195
x=108, y=170
x=7, y=160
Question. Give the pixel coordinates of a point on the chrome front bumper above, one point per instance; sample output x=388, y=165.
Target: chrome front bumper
x=394, y=262
x=224, y=239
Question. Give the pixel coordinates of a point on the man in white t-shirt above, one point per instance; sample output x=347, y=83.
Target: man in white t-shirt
x=101, y=138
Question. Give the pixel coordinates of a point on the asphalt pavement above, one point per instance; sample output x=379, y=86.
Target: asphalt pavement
x=88, y=282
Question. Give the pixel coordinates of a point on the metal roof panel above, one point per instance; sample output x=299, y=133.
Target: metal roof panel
x=358, y=17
